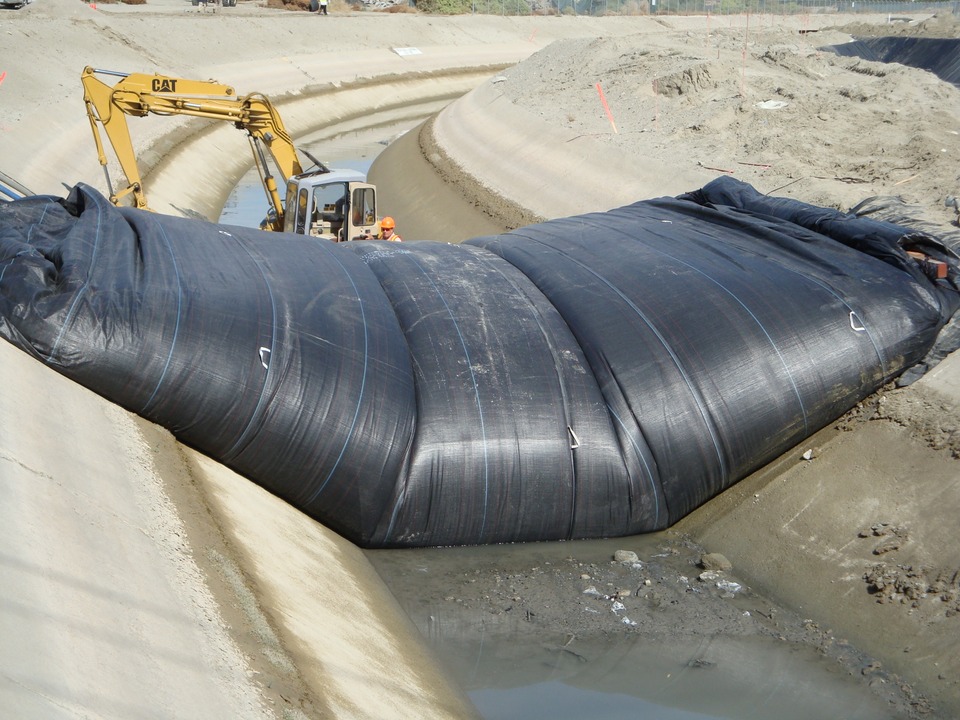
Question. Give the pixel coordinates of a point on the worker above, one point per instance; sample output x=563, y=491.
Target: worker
x=388, y=230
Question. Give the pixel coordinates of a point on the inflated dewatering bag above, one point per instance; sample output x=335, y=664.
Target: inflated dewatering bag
x=598, y=375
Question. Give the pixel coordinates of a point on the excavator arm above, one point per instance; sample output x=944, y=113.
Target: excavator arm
x=139, y=94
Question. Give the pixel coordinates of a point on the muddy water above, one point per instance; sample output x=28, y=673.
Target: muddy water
x=562, y=630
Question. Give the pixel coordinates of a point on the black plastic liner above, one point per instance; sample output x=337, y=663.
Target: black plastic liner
x=940, y=56
x=600, y=375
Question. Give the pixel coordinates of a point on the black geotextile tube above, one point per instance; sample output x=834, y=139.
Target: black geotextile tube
x=940, y=56
x=599, y=375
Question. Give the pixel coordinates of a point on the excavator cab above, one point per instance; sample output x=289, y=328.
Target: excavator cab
x=337, y=205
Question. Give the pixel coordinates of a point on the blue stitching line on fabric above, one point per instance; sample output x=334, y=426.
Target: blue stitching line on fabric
x=363, y=382
x=176, y=330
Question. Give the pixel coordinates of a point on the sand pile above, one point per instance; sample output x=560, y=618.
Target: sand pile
x=766, y=106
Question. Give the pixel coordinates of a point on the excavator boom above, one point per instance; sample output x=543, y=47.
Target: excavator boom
x=139, y=94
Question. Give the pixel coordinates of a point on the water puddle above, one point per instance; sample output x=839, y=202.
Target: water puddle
x=662, y=679
x=561, y=630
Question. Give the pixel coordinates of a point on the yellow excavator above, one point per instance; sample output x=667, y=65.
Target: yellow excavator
x=334, y=204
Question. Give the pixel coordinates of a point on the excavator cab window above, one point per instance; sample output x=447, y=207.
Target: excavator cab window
x=289, y=218
x=303, y=197
x=329, y=208
x=364, y=207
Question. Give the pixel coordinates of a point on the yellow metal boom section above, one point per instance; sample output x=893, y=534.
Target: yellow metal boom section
x=139, y=94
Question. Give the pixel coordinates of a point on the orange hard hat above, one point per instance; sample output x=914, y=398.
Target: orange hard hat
x=387, y=223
